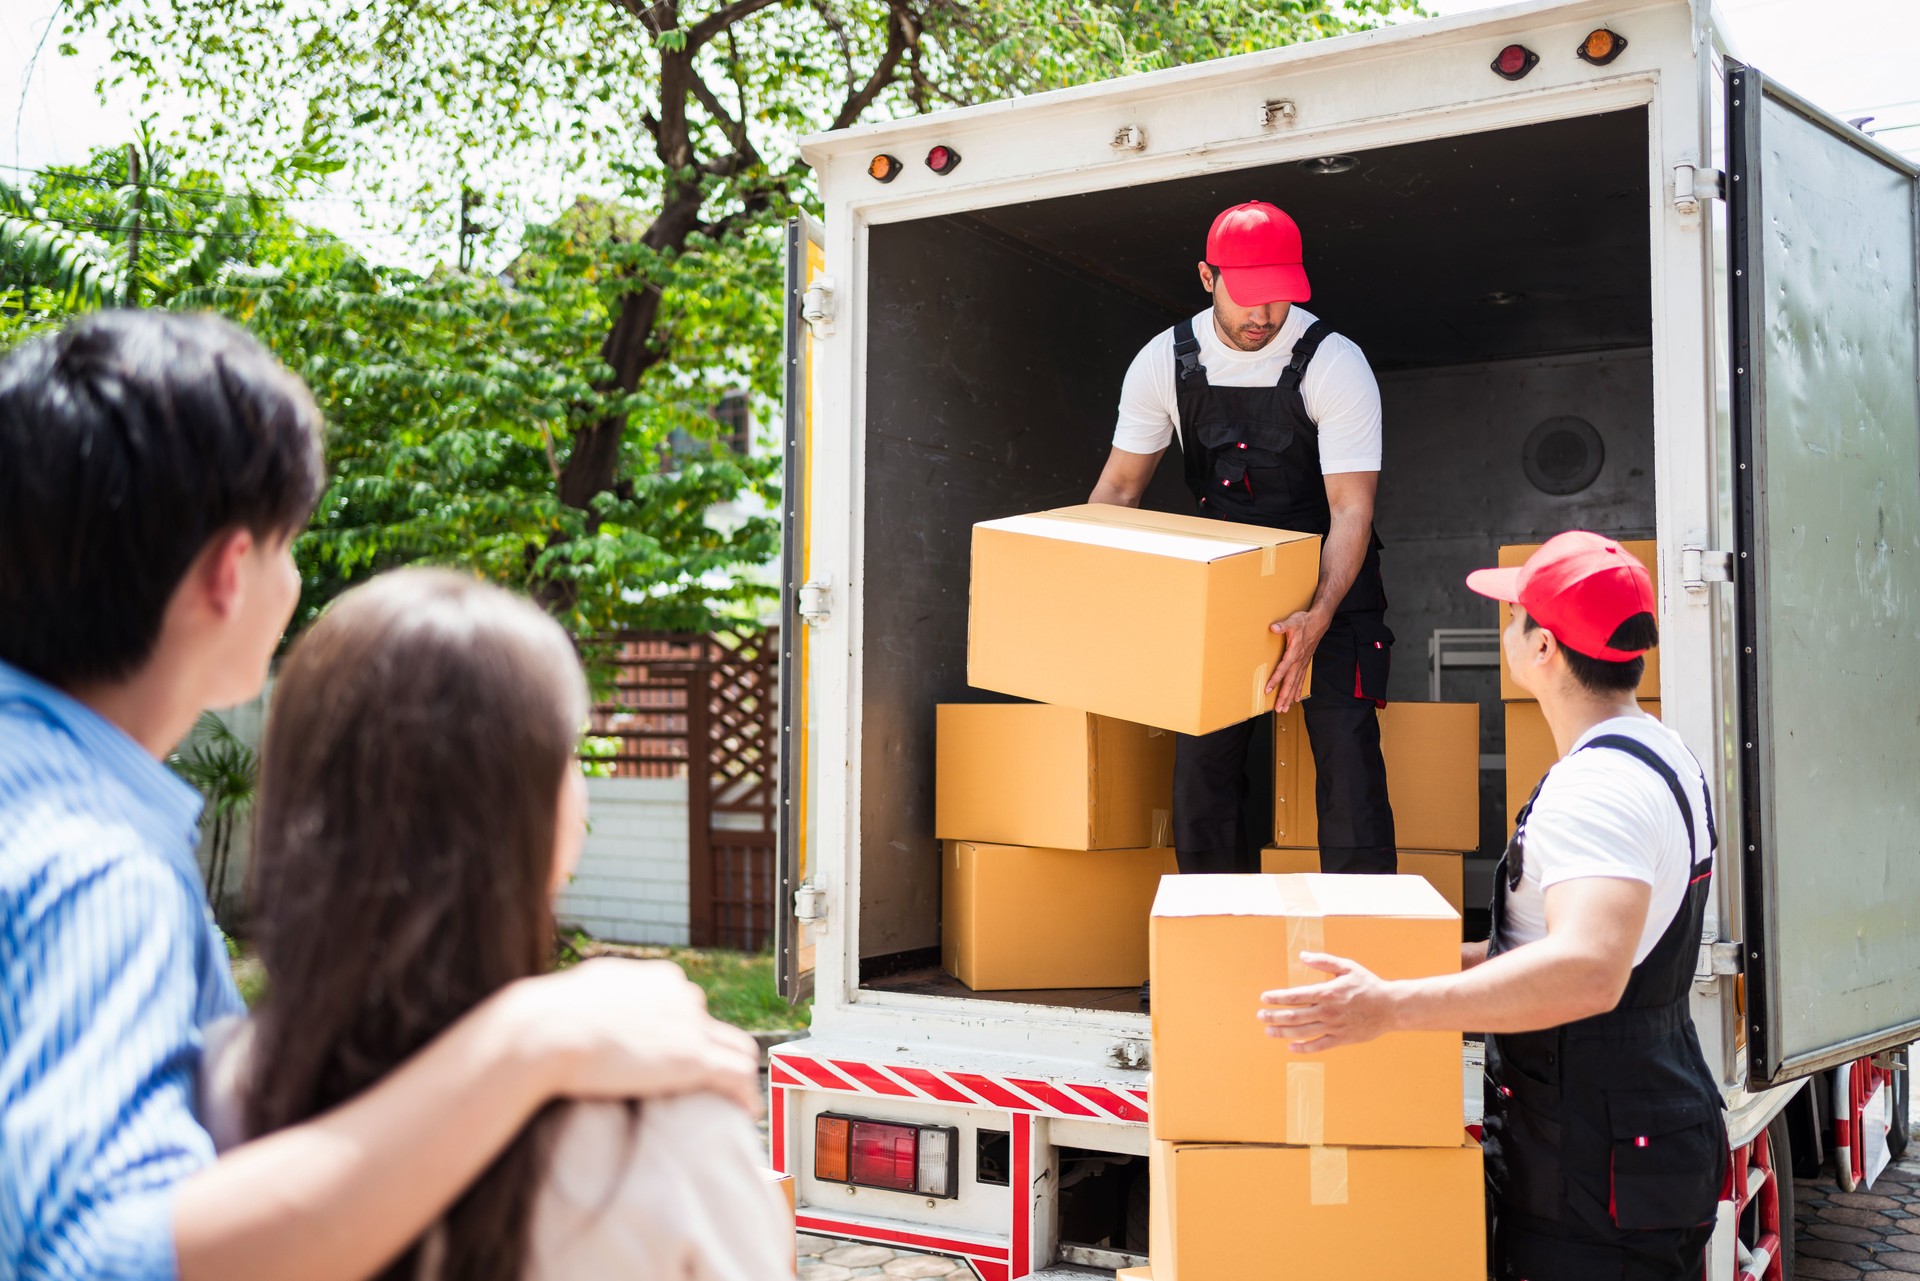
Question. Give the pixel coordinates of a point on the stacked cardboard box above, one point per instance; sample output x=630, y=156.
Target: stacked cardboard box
x=1041, y=807
x=1432, y=752
x=1530, y=748
x=1350, y=1161
x=1056, y=815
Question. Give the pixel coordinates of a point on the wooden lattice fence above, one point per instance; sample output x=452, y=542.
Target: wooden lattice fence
x=676, y=700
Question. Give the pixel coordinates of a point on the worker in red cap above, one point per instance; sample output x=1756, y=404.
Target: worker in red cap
x=1278, y=422
x=1606, y=1149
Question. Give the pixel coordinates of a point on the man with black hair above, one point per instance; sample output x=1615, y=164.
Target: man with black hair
x=154, y=470
x=1606, y=1149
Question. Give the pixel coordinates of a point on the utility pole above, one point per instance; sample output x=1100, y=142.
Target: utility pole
x=131, y=295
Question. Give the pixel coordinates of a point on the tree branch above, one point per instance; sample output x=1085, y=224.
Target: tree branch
x=720, y=19
x=735, y=130
x=903, y=32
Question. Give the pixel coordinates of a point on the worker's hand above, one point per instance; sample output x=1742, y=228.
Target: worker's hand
x=1303, y=632
x=1353, y=1006
x=619, y=1029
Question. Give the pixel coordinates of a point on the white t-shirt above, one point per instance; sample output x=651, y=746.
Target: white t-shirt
x=1339, y=390
x=1603, y=813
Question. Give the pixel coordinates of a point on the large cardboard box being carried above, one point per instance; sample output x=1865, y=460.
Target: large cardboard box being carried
x=1221, y=941
x=1438, y=868
x=1317, y=1214
x=1143, y=616
x=1531, y=751
x=1432, y=752
x=1030, y=774
x=1016, y=918
x=1646, y=551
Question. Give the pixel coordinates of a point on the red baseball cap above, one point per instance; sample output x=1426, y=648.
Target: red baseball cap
x=1580, y=587
x=1257, y=249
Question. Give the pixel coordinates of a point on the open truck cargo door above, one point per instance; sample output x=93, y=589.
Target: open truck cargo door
x=793, y=941
x=1826, y=429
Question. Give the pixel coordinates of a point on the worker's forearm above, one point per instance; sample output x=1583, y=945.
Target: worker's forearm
x=340, y=1196
x=1341, y=556
x=1541, y=985
x=1472, y=954
x=1107, y=491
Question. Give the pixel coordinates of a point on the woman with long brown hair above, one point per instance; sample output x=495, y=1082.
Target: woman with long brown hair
x=420, y=802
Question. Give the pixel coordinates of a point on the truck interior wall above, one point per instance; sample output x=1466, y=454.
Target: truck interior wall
x=1494, y=280
x=993, y=374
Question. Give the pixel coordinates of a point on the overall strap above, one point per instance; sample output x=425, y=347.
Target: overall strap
x=1653, y=761
x=1186, y=350
x=1303, y=351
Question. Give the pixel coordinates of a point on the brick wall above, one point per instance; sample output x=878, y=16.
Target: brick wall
x=631, y=886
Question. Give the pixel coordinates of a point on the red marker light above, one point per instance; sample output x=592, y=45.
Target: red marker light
x=943, y=160
x=1514, y=62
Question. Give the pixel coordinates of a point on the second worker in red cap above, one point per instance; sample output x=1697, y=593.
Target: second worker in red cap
x=1278, y=422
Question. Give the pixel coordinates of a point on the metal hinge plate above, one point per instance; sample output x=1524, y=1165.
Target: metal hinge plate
x=810, y=904
x=815, y=604
x=1700, y=565
x=1724, y=957
x=1693, y=184
x=816, y=307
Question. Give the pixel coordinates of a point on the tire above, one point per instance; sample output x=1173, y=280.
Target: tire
x=1781, y=1141
x=1902, y=1104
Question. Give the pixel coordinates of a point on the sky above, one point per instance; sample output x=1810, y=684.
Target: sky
x=1855, y=58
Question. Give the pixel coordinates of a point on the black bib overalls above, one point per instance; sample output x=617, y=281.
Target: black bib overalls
x=1606, y=1149
x=1252, y=455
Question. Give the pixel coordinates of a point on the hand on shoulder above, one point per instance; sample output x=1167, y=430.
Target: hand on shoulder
x=617, y=1029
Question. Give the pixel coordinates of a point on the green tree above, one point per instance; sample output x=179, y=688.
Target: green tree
x=686, y=114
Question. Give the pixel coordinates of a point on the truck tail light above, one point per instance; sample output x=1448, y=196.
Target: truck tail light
x=943, y=160
x=918, y=1159
x=1514, y=62
x=1601, y=47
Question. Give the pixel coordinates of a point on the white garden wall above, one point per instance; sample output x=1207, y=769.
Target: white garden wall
x=631, y=886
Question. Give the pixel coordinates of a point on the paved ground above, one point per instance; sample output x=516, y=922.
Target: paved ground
x=824, y=1260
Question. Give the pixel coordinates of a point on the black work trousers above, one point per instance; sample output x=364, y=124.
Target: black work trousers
x=1223, y=781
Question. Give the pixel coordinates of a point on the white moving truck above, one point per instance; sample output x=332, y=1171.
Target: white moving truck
x=1630, y=286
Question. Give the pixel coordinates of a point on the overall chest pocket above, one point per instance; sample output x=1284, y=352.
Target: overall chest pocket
x=1669, y=1158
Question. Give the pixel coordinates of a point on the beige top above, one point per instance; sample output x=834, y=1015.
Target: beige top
x=679, y=1195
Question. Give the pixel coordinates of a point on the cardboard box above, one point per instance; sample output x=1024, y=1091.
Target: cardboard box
x=1439, y=868
x=1143, y=616
x=1432, y=752
x=1133, y=1274
x=1030, y=774
x=1017, y=918
x=1219, y=942
x=1646, y=551
x=1531, y=751
x=1332, y=1214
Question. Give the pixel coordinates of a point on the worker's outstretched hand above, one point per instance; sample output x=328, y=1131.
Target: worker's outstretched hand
x=1302, y=631
x=1353, y=1006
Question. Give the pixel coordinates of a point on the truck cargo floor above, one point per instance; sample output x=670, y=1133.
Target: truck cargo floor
x=933, y=981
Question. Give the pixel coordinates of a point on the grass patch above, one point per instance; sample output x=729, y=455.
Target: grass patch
x=740, y=986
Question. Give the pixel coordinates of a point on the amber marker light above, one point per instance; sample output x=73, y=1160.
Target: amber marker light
x=830, y=1149
x=1514, y=62
x=1601, y=47
x=883, y=168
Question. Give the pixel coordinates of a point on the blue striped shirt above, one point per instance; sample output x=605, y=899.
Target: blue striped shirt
x=110, y=966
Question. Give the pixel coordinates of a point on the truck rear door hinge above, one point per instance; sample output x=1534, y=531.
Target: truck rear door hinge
x=1724, y=957
x=1693, y=184
x=1699, y=565
x=810, y=904
x=816, y=307
x=815, y=604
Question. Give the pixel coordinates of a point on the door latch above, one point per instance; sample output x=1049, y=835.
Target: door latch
x=815, y=605
x=1693, y=184
x=810, y=903
x=1699, y=565
x=816, y=307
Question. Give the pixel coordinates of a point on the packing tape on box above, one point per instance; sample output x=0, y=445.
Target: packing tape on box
x=1162, y=829
x=1327, y=1176
x=1269, y=561
x=1262, y=701
x=1306, y=1081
